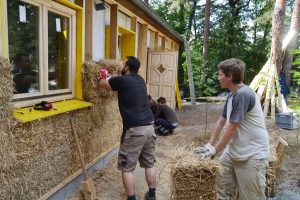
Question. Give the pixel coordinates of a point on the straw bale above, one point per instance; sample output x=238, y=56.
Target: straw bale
x=192, y=178
x=91, y=91
x=36, y=156
x=7, y=88
x=271, y=178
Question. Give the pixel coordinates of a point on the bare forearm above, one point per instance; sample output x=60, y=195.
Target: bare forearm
x=104, y=84
x=216, y=133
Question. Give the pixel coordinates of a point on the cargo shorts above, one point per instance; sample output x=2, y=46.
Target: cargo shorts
x=138, y=144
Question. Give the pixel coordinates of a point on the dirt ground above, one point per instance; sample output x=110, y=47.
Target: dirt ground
x=195, y=127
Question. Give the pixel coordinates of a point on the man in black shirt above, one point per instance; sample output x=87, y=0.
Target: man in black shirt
x=165, y=118
x=137, y=142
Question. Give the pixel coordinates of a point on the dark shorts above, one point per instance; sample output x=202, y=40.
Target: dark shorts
x=137, y=145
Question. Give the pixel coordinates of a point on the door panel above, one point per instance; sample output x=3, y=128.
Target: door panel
x=162, y=74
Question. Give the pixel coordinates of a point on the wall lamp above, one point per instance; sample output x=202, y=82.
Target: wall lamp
x=99, y=5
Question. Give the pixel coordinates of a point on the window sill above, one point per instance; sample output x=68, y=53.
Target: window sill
x=29, y=114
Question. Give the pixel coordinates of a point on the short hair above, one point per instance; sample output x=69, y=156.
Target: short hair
x=234, y=67
x=133, y=63
x=162, y=100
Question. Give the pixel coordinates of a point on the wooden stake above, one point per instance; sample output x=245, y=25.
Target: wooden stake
x=268, y=93
x=273, y=99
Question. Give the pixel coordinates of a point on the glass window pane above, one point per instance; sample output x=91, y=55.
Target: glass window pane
x=58, y=51
x=23, y=41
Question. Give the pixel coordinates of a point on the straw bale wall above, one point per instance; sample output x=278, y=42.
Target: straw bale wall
x=193, y=179
x=36, y=156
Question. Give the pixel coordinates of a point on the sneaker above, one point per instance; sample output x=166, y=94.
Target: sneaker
x=147, y=197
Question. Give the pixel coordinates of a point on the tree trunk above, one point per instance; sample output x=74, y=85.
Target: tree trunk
x=190, y=73
x=206, y=32
x=191, y=17
x=231, y=32
x=277, y=30
x=294, y=27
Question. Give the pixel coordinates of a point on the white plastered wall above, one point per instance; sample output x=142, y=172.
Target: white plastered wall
x=99, y=33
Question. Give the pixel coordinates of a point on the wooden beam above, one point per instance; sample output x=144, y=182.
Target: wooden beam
x=156, y=46
x=133, y=24
x=89, y=7
x=113, y=32
x=163, y=43
x=268, y=93
x=142, y=49
x=273, y=99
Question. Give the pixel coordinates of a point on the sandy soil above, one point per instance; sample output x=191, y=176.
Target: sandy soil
x=195, y=127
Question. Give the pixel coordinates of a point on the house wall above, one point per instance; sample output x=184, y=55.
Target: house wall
x=125, y=16
x=99, y=18
x=38, y=155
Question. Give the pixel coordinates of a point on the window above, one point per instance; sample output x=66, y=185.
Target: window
x=41, y=44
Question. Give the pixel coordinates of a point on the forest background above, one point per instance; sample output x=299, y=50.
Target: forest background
x=234, y=28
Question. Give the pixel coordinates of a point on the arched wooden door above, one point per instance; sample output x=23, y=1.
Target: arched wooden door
x=162, y=74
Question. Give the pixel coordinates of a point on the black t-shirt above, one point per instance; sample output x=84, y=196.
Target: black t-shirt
x=133, y=100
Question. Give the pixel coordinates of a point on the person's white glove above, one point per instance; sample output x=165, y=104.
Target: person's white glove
x=207, y=151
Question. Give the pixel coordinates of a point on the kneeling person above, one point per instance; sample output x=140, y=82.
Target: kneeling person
x=165, y=118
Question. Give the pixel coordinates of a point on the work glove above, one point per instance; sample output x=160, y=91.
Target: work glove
x=207, y=151
x=104, y=73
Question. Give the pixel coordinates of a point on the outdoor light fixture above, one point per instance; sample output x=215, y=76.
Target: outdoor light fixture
x=99, y=5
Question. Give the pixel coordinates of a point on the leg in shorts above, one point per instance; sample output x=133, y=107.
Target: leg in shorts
x=138, y=145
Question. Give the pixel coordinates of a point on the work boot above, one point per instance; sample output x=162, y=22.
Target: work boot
x=147, y=197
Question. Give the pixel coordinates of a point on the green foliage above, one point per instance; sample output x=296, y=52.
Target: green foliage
x=240, y=29
x=296, y=67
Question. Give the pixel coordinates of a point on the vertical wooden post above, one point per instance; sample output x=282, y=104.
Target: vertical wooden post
x=142, y=49
x=113, y=31
x=89, y=7
x=133, y=24
x=163, y=43
x=190, y=73
x=156, y=35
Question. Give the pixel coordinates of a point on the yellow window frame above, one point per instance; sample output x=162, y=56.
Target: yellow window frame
x=28, y=113
x=128, y=42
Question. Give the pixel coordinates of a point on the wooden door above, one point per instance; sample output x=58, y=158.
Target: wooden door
x=162, y=74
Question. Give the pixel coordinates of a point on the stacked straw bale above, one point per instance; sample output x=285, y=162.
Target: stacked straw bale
x=194, y=179
x=91, y=78
x=36, y=156
x=6, y=92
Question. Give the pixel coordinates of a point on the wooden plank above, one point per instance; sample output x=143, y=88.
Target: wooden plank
x=142, y=50
x=156, y=46
x=133, y=24
x=89, y=7
x=273, y=99
x=163, y=43
x=29, y=114
x=280, y=151
x=261, y=75
x=113, y=31
x=268, y=93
